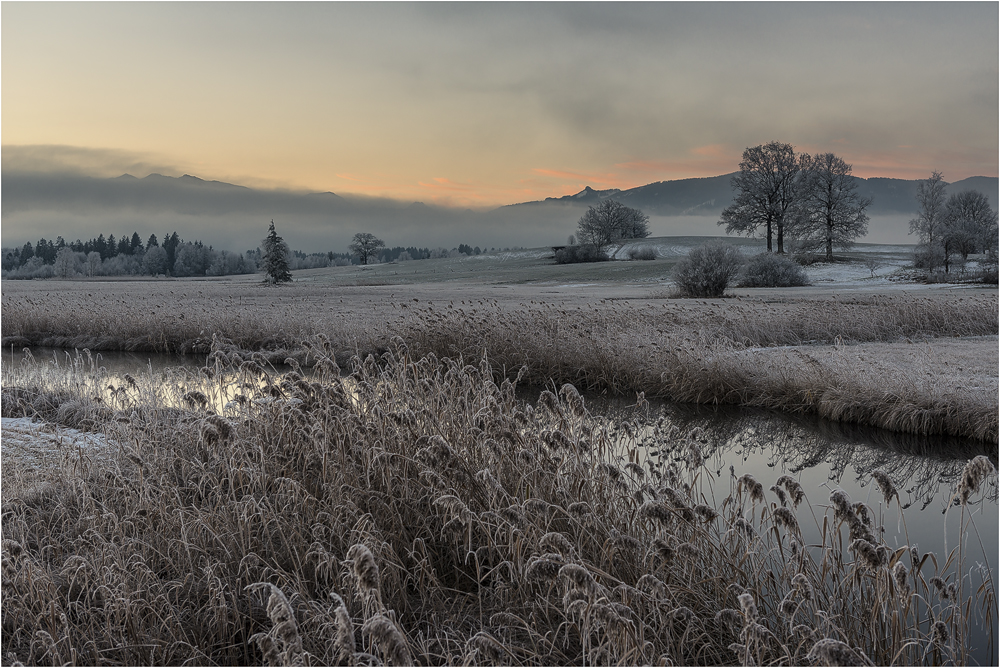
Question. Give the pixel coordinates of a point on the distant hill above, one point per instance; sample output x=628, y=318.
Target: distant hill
x=186, y=194
x=232, y=216
x=709, y=196
x=191, y=195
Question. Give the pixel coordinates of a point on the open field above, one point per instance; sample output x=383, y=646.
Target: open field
x=417, y=511
x=608, y=327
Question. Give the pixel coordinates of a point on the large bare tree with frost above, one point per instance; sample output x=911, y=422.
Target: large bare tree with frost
x=766, y=189
x=829, y=212
x=930, y=217
x=929, y=223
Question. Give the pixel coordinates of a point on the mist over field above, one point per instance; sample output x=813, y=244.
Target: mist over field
x=233, y=217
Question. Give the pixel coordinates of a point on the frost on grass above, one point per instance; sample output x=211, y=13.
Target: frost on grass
x=465, y=533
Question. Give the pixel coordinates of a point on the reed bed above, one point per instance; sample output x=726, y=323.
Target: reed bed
x=416, y=512
x=704, y=352
x=627, y=352
x=153, y=319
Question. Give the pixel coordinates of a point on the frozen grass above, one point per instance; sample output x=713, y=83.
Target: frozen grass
x=695, y=352
x=416, y=511
x=710, y=359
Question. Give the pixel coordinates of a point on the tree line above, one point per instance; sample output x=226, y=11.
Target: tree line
x=812, y=201
x=125, y=256
x=952, y=229
x=368, y=249
x=173, y=256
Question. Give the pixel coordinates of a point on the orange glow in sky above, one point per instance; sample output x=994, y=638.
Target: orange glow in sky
x=488, y=104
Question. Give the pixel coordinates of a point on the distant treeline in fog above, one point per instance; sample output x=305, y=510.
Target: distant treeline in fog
x=173, y=256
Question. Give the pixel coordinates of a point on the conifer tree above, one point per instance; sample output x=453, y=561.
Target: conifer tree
x=275, y=257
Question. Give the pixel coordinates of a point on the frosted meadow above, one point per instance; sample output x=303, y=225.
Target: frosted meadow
x=518, y=334
x=345, y=474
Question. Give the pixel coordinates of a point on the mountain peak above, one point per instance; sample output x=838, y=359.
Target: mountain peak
x=589, y=192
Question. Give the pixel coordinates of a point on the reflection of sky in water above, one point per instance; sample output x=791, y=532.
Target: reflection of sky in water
x=822, y=455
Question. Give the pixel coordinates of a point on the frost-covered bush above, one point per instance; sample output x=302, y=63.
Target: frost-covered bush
x=707, y=270
x=768, y=270
x=33, y=268
x=928, y=257
x=642, y=253
x=581, y=253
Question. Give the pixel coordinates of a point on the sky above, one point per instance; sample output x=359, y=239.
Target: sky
x=479, y=105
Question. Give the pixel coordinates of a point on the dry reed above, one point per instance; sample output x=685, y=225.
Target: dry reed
x=159, y=556
x=674, y=351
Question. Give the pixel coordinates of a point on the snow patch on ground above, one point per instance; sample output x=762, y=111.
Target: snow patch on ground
x=853, y=273
x=26, y=444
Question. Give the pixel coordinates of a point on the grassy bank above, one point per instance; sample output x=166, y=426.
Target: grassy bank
x=704, y=351
x=709, y=360
x=416, y=512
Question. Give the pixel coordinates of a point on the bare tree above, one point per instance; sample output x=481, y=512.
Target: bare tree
x=611, y=221
x=969, y=225
x=829, y=212
x=65, y=264
x=929, y=223
x=766, y=188
x=93, y=263
x=366, y=245
x=930, y=218
x=154, y=261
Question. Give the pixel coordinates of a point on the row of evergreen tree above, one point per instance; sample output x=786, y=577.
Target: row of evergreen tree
x=106, y=248
x=173, y=256
x=127, y=255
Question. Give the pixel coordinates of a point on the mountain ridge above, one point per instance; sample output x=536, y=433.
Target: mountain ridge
x=38, y=204
x=710, y=195
x=698, y=196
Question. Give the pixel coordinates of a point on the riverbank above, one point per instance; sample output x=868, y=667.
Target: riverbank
x=803, y=350
x=34, y=453
x=420, y=513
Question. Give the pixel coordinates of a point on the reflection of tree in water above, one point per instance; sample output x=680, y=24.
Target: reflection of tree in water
x=919, y=465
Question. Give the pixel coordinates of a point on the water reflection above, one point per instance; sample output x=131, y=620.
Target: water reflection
x=923, y=466
x=824, y=456
x=821, y=455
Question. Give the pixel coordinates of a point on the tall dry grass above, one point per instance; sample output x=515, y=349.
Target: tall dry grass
x=417, y=511
x=701, y=353
x=624, y=351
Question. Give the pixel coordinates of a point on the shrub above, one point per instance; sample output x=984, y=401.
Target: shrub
x=642, y=253
x=707, y=270
x=768, y=270
x=988, y=271
x=582, y=253
x=928, y=257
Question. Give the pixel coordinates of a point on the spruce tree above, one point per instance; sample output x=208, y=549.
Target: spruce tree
x=275, y=256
